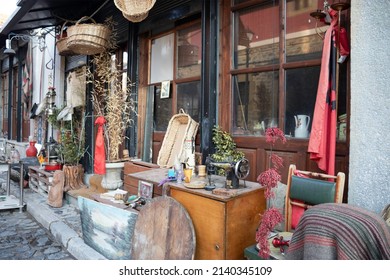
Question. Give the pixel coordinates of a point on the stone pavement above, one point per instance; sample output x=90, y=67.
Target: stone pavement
x=23, y=238
x=35, y=226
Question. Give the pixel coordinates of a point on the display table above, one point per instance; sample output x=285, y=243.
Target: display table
x=224, y=225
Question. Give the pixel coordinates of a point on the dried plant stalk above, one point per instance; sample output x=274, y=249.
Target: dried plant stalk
x=112, y=100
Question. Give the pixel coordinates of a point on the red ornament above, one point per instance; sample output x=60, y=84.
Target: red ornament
x=279, y=242
x=31, y=151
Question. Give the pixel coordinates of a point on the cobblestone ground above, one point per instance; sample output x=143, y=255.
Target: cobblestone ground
x=23, y=238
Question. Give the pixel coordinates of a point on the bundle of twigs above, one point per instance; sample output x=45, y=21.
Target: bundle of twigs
x=111, y=99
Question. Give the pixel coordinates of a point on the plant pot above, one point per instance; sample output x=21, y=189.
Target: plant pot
x=73, y=177
x=112, y=180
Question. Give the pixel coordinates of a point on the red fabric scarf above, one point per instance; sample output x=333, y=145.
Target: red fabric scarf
x=100, y=153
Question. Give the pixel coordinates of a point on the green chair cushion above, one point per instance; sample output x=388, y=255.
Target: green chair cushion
x=312, y=191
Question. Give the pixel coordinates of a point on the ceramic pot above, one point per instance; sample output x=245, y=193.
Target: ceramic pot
x=31, y=151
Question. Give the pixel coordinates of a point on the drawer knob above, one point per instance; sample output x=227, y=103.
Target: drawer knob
x=217, y=247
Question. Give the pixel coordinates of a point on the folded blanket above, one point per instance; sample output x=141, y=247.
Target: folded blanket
x=340, y=231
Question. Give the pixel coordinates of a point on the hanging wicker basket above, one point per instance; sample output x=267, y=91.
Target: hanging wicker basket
x=135, y=10
x=135, y=18
x=88, y=38
x=62, y=41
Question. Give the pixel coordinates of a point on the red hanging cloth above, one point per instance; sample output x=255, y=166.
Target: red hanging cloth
x=322, y=143
x=100, y=153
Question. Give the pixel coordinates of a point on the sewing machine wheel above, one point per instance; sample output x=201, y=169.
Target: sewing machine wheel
x=241, y=168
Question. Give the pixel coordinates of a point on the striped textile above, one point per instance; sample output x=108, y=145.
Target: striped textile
x=340, y=231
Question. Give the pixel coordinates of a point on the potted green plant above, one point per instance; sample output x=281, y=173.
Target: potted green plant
x=225, y=148
x=71, y=146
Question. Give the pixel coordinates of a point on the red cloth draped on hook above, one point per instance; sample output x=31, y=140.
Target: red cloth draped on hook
x=322, y=143
x=100, y=153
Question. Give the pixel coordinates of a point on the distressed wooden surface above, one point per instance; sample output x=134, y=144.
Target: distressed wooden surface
x=156, y=176
x=163, y=231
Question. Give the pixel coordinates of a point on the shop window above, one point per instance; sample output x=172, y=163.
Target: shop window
x=256, y=46
x=300, y=95
x=188, y=99
x=257, y=36
x=178, y=87
x=161, y=67
x=256, y=104
x=162, y=109
x=275, y=72
x=188, y=52
x=303, y=38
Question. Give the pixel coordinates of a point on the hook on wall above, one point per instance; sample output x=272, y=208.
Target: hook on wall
x=50, y=64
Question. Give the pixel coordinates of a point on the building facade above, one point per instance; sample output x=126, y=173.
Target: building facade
x=242, y=65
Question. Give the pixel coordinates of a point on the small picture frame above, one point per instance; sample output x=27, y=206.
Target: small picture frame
x=165, y=87
x=145, y=189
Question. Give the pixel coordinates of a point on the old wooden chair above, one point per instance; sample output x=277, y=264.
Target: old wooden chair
x=305, y=189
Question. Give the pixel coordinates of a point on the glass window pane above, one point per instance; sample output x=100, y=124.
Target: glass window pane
x=256, y=41
x=188, y=99
x=162, y=110
x=161, y=68
x=302, y=40
x=301, y=92
x=255, y=104
x=189, y=51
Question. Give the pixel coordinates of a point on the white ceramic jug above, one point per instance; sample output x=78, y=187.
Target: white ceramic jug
x=302, y=126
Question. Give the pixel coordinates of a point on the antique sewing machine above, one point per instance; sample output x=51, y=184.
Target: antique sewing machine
x=234, y=171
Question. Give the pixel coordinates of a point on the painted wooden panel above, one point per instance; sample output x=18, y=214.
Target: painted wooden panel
x=107, y=229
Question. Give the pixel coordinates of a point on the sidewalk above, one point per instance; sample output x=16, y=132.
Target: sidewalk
x=64, y=223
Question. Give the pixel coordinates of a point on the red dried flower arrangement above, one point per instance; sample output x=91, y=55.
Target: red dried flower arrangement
x=269, y=179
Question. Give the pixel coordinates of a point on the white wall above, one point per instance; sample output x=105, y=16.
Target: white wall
x=47, y=65
x=369, y=166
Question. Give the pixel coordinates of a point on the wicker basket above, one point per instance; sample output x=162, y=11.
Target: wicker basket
x=135, y=18
x=88, y=38
x=61, y=43
x=180, y=127
x=134, y=10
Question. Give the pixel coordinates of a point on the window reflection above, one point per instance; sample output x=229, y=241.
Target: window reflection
x=255, y=102
x=189, y=51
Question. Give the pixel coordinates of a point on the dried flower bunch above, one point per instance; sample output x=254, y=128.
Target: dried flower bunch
x=269, y=179
x=111, y=98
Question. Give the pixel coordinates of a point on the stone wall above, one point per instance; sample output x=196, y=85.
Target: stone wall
x=369, y=176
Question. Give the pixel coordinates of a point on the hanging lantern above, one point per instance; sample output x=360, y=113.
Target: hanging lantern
x=50, y=101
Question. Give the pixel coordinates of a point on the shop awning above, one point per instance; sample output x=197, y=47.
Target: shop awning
x=33, y=14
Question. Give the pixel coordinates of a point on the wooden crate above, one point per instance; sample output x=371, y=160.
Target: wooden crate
x=40, y=180
x=131, y=184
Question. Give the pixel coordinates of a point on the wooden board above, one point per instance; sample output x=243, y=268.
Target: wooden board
x=163, y=231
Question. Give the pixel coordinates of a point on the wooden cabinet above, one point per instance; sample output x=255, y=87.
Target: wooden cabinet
x=224, y=226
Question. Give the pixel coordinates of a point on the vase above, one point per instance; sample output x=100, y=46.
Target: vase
x=112, y=180
x=31, y=150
